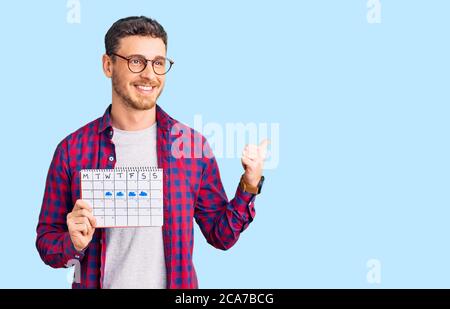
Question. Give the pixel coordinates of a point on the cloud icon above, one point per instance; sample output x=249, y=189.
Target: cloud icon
x=143, y=193
x=120, y=194
x=108, y=194
x=131, y=193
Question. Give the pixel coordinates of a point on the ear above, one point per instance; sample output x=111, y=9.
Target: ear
x=107, y=65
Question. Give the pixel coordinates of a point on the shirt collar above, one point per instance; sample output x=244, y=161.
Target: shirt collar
x=163, y=120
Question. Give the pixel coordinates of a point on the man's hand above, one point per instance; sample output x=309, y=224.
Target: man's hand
x=81, y=224
x=252, y=160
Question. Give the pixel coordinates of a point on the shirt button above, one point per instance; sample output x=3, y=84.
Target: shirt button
x=111, y=158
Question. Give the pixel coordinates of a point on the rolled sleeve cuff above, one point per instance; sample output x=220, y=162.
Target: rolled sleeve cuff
x=245, y=205
x=69, y=250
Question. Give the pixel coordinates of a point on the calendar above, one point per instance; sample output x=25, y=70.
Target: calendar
x=124, y=196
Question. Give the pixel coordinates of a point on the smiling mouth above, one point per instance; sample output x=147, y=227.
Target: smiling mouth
x=145, y=89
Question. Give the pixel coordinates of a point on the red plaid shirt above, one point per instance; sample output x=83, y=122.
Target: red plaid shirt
x=192, y=189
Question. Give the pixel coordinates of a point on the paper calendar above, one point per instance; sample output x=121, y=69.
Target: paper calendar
x=124, y=197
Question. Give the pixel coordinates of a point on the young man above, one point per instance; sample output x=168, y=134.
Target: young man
x=135, y=131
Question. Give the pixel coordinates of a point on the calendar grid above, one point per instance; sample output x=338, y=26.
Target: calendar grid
x=129, y=191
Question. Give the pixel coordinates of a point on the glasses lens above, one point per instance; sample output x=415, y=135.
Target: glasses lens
x=161, y=65
x=137, y=64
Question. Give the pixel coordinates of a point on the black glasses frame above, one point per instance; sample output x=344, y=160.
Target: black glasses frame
x=171, y=62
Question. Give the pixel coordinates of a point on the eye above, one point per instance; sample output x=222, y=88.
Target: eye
x=136, y=61
x=159, y=62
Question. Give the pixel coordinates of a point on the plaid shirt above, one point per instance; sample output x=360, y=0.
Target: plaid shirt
x=192, y=189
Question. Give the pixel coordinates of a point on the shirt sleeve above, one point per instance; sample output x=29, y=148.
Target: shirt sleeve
x=221, y=221
x=53, y=240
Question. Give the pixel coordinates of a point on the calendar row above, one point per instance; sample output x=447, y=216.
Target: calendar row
x=101, y=203
x=121, y=194
x=131, y=221
x=111, y=185
x=100, y=175
x=128, y=212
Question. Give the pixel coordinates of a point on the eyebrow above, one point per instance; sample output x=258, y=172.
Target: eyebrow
x=139, y=55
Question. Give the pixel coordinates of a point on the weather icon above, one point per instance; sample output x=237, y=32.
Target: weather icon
x=131, y=193
x=143, y=193
x=120, y=194
x=108, y=194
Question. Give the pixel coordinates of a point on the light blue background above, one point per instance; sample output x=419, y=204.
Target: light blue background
x=363, y=120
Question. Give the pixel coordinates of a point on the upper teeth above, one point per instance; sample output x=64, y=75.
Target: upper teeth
x=145, y=87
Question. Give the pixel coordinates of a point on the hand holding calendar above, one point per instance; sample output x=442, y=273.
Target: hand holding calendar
x=81, y=224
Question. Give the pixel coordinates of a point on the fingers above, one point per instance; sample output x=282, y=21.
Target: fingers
x=254, y=152
x=80, y=204
x=263, y=148
x=246, y=162
x=83, y=213
x=250, y=152
x=82, y=220
x=264, y=143
x=83, y=210
x=81, y=226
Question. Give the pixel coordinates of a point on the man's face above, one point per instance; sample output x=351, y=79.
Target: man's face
x=138, y=91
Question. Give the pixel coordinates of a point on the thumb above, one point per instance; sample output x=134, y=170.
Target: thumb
x=263, y=147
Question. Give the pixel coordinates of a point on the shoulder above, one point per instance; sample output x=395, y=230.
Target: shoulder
x=82, y=137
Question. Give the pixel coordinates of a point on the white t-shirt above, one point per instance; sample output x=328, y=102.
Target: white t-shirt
x=135, y=255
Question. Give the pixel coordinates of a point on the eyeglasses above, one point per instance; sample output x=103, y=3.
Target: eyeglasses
x=138, y=63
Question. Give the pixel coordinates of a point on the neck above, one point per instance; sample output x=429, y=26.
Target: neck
x=128, y=119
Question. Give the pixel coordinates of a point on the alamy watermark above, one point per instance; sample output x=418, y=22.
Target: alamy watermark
x=225, y=140
x=373, y=12
x=74, y=271
x=373, y=275
x=73, y=12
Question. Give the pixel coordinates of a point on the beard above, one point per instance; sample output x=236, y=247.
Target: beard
x=137, y=103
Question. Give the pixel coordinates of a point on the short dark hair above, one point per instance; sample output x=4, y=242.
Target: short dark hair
x=133, y=25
